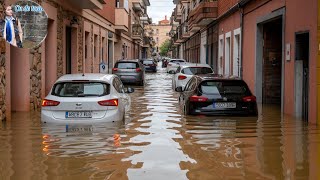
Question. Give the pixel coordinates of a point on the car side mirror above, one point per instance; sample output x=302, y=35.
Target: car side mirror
x=179, y=89
x=129, y=90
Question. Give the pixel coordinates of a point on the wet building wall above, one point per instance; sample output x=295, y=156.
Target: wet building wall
x=24, y=83
x=318, y=64
x=256, y=15
x=2, y=79
x=229, y=29
x=297, y=24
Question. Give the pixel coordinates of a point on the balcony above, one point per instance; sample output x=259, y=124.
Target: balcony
x=177, y=14
x=178, y=36
x=203, y=14
x=185, y=31
x=121, y=19
x=139, y=5
x=88, y=4
x=137, y=32
x=147, y=42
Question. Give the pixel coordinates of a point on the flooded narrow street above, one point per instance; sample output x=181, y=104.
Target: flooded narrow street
x=157, y=142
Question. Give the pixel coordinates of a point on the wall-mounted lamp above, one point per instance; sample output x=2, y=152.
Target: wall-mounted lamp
x=74, y=21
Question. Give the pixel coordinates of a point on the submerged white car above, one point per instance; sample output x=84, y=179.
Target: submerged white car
x=86, y=98
x=173, y=64
x=185, y=71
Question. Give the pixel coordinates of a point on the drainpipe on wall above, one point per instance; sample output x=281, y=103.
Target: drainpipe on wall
x=241, y=4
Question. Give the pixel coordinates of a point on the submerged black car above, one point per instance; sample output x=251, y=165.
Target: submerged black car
x=217, y=95
x=149, y=65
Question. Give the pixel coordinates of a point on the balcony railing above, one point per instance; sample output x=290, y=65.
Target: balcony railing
x=177, y=14
x=121, y=19
x=88, y=4
x=137, y=32
x=204, y=12
x=185, y=30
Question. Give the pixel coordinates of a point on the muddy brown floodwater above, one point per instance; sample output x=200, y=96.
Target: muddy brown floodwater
x=157, y=142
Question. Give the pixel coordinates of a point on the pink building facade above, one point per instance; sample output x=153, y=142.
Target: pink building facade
x=81, y=35
x=274, y=49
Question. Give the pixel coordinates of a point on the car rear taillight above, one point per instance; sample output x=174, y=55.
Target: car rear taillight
x=47, y=102
x=138, y=70
x=198, y=99
x=182, y=77
x=114, y=69
x=110, y=102
x=249, y=99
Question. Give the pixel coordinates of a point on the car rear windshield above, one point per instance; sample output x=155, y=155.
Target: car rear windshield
x=80, y=89
x=148, y=62
x=127, y=65
x=224, y=87
x=177, y=61
x=196, y=70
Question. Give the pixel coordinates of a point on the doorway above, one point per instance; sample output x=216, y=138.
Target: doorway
x=110, y=56
x=302, y=75
x=68, y=50
x=50, y=66
x=272, y=62
x=269, y=79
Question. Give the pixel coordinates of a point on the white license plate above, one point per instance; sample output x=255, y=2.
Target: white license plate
x=78, y=114
x=147, y=66
x=219, y=105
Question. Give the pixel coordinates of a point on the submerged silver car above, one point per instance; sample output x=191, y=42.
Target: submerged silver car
x=86, y=98
x=129, y=71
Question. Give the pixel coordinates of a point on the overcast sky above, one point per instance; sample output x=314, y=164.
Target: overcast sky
x=159, y=8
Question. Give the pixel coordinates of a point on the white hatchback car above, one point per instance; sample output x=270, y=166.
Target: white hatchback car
x=86, y=98
x=185, y=71
x=173, y=64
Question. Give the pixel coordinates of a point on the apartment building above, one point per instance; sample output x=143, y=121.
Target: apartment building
x=193, y=31
x=131, y=42
x=267, y=43
x=161, y=32
x=82, y=35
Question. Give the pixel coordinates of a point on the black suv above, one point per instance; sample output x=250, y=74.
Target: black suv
x=213, y=94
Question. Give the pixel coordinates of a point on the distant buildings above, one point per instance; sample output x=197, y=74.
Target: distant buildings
x=160, y=32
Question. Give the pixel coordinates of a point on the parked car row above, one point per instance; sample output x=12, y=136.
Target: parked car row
x=88, y=98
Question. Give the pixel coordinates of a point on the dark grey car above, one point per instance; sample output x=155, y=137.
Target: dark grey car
x=129, y=71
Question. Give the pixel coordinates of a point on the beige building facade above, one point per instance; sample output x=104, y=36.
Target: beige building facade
x=161, y=33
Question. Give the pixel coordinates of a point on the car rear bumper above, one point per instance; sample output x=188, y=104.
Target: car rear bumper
x=224, y=113
x=130, y=79
x=249, y=110
x=151, y=69
x=110, y=116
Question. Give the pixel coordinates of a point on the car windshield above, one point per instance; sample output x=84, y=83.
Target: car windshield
x=148, y=62
x=196, y=70
x=227, y=87
x=127, y=65
x=177, y=61
x=80, y=89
